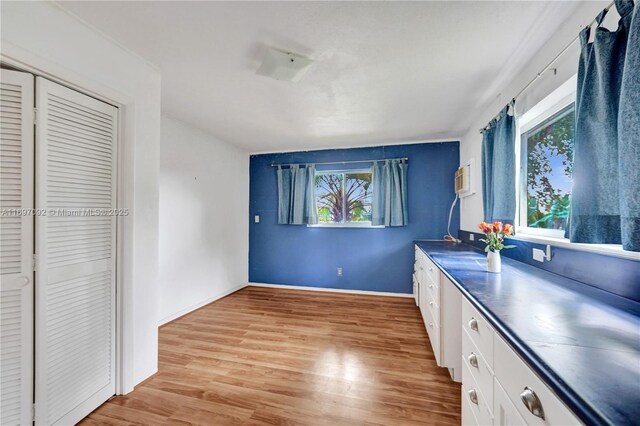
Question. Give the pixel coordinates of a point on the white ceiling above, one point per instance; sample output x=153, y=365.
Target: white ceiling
x=385, y=72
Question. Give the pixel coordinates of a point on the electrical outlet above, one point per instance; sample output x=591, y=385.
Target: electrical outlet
x=256, y=218
x=472, y=236
x=538, y=255
x=339, y=272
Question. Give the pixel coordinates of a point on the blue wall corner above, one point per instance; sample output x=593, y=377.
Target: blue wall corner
x=372, y=259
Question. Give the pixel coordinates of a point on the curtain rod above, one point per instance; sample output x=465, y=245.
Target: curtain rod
x=340, y=162
x=546, y=68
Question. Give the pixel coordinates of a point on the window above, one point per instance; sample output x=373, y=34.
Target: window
x=549, y=156
x=546, y=135
x=546, y=159
x=344, y=198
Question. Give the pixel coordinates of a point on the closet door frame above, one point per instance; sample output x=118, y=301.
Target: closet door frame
x=24, y=61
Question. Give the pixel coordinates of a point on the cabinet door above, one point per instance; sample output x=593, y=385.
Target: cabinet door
x=518, y=381
x=504, y=413
x=16, y=247
x=75, y=247
x=451, y=326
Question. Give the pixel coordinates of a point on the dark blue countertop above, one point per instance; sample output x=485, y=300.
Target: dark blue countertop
x=582, y=341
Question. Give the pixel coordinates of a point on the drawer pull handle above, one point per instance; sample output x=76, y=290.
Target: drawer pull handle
x=431, y=324
x=430, y=285
x=473, y=396
x=473, y=360
x=473, y=324
x=430, y=269
x=431, y=303
x=532, y=402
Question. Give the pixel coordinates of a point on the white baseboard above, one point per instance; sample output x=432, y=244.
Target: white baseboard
x=199, y=305
x=282, y=286
x=330, y=290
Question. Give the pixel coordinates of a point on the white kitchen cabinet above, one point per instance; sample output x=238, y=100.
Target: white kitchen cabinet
x=477, y=361
x=536, y=403
x=506, y=414
x=440, y=303
x=468, y=416
x=479, y=403
x=512, y=393
x=478, y=367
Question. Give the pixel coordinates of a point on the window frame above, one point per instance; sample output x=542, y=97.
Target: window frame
x=558, y=100
x=555, y=102
x=365, y=224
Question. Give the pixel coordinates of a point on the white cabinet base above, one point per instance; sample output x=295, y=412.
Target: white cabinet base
x=440, y=303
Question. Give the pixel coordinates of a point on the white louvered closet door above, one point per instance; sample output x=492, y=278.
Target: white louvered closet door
x=75, y=263
x=16, y=247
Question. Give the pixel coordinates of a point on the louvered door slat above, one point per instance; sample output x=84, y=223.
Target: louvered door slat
x=75, y=301
x=16, y=247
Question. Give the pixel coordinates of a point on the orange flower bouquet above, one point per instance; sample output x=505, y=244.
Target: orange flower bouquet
x=495, y=233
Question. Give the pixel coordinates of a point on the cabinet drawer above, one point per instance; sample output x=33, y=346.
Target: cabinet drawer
x=434, y=290
x=424, y=294
x=468, y=417
x=421, y=275
x=472, y=393
x=432, y=271
x=421, y=258
x=434, y=333
x=519, y=381
x=478, y=368
x=479, y=330
x=434, y=307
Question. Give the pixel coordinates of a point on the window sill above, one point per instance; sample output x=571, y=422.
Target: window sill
x=604, y=249
x=345, y=225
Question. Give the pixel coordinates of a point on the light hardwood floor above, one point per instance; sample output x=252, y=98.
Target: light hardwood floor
x=264, y=356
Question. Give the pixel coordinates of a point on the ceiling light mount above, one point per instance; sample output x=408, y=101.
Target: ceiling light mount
x=285, y=66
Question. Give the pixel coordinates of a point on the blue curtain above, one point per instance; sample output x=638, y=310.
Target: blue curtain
x=389, y=198
x=499, y=168
x=629, y=139
x=604, y=198
x=297, y=195
x=487, y=171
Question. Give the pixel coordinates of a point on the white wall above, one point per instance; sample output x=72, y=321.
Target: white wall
x=204, y=233
x=470, y=145
x=43, y=38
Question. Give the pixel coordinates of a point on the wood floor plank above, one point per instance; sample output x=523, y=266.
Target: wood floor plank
x=265, y=356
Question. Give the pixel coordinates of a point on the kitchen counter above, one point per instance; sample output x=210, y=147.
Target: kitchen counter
x=582, y=341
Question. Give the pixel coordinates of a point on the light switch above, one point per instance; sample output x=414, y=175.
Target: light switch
x=256, y=218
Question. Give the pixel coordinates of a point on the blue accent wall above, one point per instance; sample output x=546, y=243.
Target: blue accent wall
x=616, y=275
x=374, y=259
